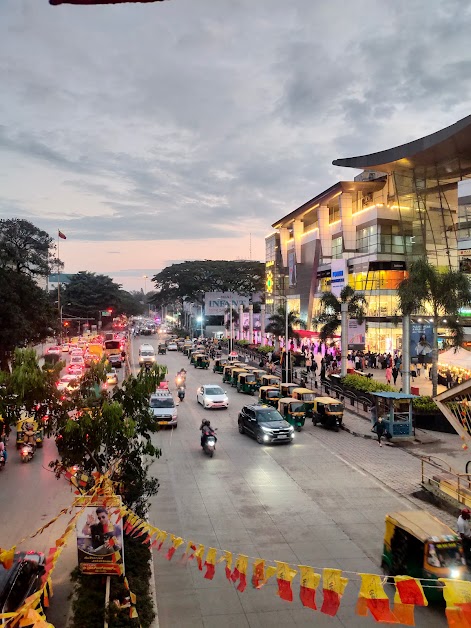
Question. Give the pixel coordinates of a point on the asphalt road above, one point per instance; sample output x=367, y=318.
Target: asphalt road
x=304, y=503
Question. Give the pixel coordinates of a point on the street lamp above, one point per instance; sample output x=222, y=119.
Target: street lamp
x=286, y=339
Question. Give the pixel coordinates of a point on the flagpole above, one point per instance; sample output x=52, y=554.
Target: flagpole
x=59, y=287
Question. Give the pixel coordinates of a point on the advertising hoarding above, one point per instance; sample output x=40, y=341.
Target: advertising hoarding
x=356, y=335
x=421, y=342
x=216, y=303
x=98, y=536
x=339, y=276
x=292, y=268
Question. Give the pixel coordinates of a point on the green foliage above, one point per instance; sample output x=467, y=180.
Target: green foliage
x=331, y=310
x=365, y=384
x=25, y=249
x=188, y=281
x=242, y=343
x=264, y=348
x=425, y=404
x=89, y=592
x=277, y=323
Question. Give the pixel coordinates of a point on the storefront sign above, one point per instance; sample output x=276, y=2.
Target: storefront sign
x=356, y=335
x=99, y=537
x=216, y=303
x=421, y=342
x=339, y=276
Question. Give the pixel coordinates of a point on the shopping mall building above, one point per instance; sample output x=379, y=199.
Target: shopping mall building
x=364, y=232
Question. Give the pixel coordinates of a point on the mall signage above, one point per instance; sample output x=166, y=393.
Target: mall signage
x=216, y=303
x=339, y=276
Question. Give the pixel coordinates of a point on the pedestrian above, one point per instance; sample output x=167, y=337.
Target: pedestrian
x=388, y=374
x=308, y=363
x=302, y=383
x=395, y=373
x=379, y=427
x=314, y=364
x=464, y=530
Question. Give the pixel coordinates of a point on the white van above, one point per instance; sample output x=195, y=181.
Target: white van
x=146, y=354
x=164, y=408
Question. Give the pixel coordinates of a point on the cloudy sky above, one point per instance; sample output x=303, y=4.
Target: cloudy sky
x=161, y=132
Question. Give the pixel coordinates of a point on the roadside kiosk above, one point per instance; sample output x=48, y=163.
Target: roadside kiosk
x=395, y=408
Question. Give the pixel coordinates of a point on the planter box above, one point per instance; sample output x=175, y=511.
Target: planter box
x=433, y=421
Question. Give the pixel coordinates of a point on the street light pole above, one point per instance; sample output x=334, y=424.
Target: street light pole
x=286, y=342
x=230, y=328
x=201, y=309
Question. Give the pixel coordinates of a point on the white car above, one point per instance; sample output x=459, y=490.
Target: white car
x=55, y=350
x=68, y=382
x=65, y=347
x=212, y=396
x=172, y=346
x=112, y=377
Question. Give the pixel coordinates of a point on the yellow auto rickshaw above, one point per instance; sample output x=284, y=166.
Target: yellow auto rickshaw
x=235, y=375
x=246, y=383
x=21, y=429
x=270, y=380
x=328, y=412
x=307, y=396
x=292, y=410
x=201, y=361
x=219, y=364
x=419, y=545
x=259, y=373
x=193, y=356
x=227, y=373
x=287, y=389
x=269, y=395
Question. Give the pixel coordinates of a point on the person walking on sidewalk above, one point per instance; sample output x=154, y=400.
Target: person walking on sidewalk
x=379, y=427
x=395, y=373
x=388, y=374
x=464, y=530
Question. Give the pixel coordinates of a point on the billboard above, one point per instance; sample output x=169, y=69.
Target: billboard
x=339, y=276
x=421, y=343
x=356, y=335
x=99, y=535
x=292, y=268
x=216, y=303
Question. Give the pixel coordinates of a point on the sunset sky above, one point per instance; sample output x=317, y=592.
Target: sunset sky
x=155, y=133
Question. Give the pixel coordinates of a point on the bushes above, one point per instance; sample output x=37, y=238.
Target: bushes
x=425, y=405
x=365, y=384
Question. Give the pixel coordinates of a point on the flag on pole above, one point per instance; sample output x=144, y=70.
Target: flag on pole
x=61, y=235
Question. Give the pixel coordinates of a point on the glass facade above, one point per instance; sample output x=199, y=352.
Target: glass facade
x=337, y=247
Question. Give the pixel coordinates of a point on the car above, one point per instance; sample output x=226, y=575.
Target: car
x=112, y=377
x=265, y=424
x=212, y=396
x=57, y=350
x=76, y=352
x=77, y=359
x=75, y=369
x=163, y=407
x=115, y=360
x=20, y=581
x=68, y=382
x=172, y=346
x=65, y=347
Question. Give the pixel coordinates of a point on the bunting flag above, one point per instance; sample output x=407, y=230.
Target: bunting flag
x=409, y=593
x=190, y=546
x=227, y=558
x=198, y=554
x=373, y=598
x=7, y=557
x=457, y=594
x=261, y=574
x=310, y=580
x=240, y=572
x=176, y=542
x=333, y=586
x=210, y=563
x=284, y=577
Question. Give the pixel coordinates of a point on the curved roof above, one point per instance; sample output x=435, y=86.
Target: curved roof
x=448, y=151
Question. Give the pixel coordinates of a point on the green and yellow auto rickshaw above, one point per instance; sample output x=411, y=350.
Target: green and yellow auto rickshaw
x=292, y=411
x=201, y=361
x=219, y=364
x=193, y=356
x=287, y=389
x=328, y=412
x=269, y=395
x=246, y=383
x=235, y=375
x=270, y=380
x=259, y=373
x=22, y=427
x=419, y=545
x=307, y=396
x=227, y=373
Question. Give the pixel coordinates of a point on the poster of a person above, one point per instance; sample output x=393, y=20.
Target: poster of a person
x=98, y=537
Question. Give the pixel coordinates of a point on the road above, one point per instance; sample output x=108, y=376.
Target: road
x=306, y=503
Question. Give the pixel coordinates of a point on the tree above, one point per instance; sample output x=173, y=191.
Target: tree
x=189, y=281
x=336, y=312
x=277, y=325
x=25, y=249
x=439, y=296
x=89, y=293
x=26, y=314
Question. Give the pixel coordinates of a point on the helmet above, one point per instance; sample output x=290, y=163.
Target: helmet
x=206, y=422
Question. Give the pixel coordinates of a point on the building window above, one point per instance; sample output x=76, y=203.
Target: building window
x=367, y=239
x=334, y=214
x=337, y=247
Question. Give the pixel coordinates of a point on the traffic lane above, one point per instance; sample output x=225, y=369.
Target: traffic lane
x=264, y=501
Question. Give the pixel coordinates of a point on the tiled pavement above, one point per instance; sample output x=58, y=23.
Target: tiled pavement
x=320, y=501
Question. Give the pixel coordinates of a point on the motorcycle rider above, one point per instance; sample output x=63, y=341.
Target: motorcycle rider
x=28, y=435
x=181, y=393
x=206, y=430
x=3, y=451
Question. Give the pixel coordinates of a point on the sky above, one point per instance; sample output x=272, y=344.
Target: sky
x=152, y=134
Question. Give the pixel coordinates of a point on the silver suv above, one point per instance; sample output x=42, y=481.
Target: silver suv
x=164, y=409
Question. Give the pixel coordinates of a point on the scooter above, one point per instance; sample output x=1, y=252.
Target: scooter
x=209, y=446
x=27, y=452
x=181, y=393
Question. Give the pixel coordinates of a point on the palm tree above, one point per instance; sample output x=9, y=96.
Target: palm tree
x=336, y=312
x=277, y=325
x=439, y=296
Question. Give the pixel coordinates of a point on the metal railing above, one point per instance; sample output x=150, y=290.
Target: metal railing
x=439, y=476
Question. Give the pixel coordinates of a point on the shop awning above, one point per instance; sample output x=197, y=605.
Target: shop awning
x=304, y=333
x=461, y=358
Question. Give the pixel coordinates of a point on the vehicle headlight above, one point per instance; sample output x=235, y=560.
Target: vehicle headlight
x=267, y=430
x=291, y=428
x=455, y=573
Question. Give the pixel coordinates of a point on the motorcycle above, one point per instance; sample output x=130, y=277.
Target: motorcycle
x=209, y=446
x=181, y=393
x=27, y=452
x=2, y=460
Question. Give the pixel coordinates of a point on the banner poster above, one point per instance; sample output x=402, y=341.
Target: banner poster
x=216, y=303
x=421, y=343
x=339, y=276
x=292, y=268
x=100, y=538
x=356, y=335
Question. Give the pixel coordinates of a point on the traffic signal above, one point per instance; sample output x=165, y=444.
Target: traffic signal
x=66, y=324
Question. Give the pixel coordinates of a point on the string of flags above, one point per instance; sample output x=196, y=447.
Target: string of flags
x=331, y=583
